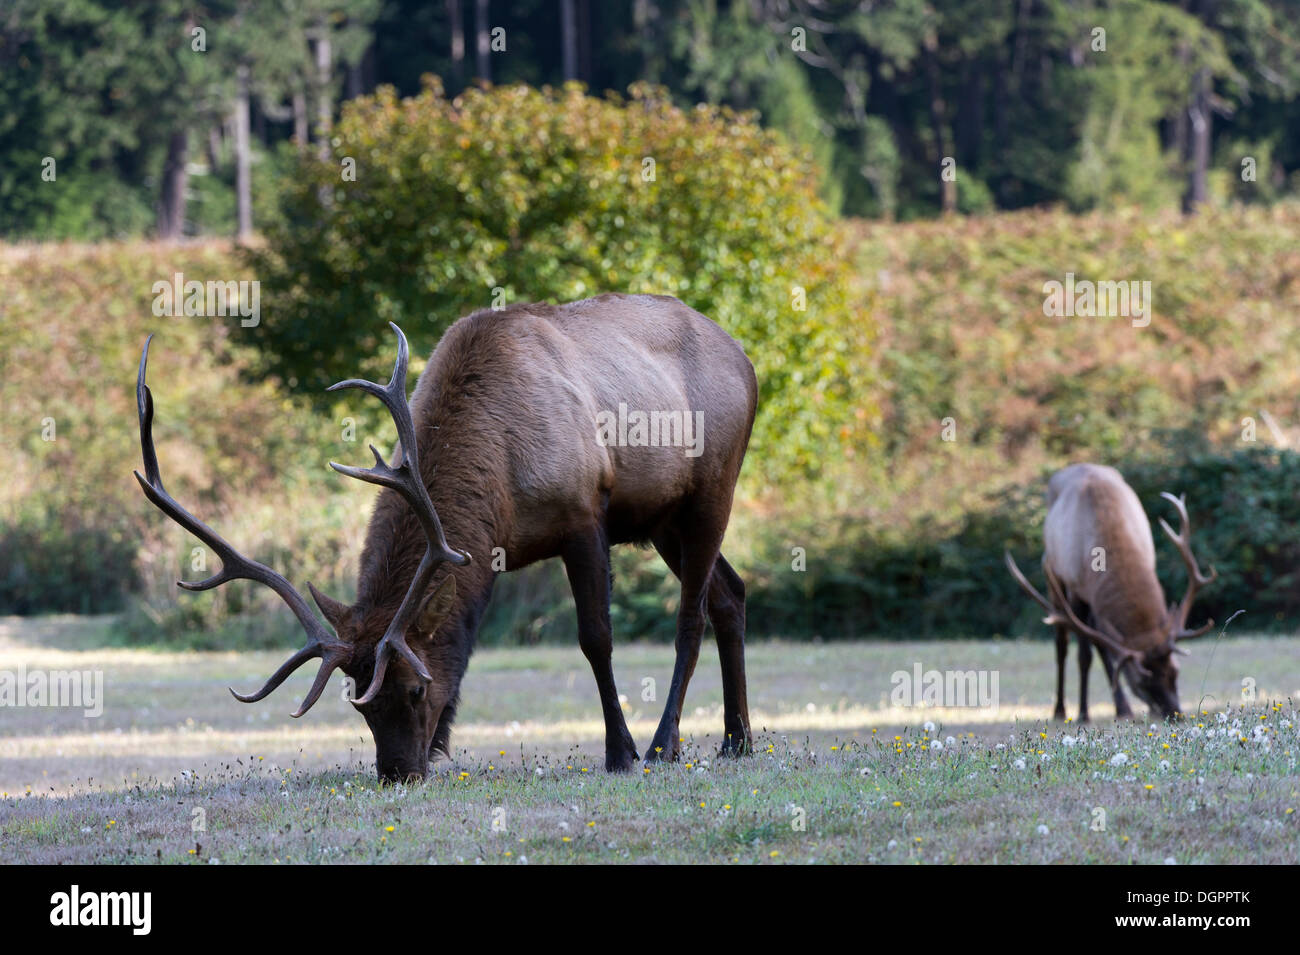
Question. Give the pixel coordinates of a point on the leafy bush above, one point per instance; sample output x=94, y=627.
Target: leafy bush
x=517, y=194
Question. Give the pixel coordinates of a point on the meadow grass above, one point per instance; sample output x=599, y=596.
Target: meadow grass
x=841, y=773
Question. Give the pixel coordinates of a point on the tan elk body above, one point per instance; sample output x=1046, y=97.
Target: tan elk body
x=1100, y=562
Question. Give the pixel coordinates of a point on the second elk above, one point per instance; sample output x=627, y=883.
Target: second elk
x=1100, y=562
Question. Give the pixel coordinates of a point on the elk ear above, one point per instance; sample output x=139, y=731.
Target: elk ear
x=333, y=610
x=437, y=606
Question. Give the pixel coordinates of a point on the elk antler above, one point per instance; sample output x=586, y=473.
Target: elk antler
x=1195, y=579
x=234, y=566
x=406, y=480
x=1061, y=613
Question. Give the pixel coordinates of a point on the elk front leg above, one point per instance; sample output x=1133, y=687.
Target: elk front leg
x=586, y=561
x=1062, y=651
x=1122, y=710
x=1085, y=664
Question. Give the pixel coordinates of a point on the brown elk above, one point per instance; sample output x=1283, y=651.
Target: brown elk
x=1100, y=562
x=499, y=451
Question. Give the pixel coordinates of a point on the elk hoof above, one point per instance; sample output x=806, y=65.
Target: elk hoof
x=737, y=744
x=663, y=753
x=622, y=760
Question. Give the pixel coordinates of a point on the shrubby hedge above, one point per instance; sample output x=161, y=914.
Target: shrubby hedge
x=514, y=194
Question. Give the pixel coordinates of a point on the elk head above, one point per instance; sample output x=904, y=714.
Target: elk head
x=410, y=678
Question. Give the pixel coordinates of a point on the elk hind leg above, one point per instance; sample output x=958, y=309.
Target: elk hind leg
x=692, y=557
x=726, y=604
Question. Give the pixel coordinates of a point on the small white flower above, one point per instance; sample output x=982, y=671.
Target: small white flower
x=1068, y=741
x=928, y=727
x=1170, y=860
x=1164, y=765
x=1119, y=759
x=893, y=844
x=1043, y=830
x=1001, y=746
x=952, y=742
x=1019, y=764
x=936, y=745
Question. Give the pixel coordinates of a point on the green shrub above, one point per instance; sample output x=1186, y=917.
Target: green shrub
x=516, y=194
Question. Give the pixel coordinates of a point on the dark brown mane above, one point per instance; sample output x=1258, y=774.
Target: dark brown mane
x=459, y=436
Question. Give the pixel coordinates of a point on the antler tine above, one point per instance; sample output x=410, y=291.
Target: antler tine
x=234, y=565
x=1059, y=611
x=1195, y=579
x=1124, y=654
x=1030, y=589
x=406, y=479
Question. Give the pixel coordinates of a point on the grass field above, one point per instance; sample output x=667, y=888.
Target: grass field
x=841, y=774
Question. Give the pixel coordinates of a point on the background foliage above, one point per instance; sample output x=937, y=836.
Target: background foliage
x=903, y=539
x=516, y=194
x=1023, y=97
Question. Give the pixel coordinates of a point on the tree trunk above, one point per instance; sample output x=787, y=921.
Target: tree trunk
x=324, y=69
x=569, y=38
x=352, y=88
x=585, y=70
x=457, y=29
x=1200, y=116
x=300, y=118
x=483, y=40
x=1178, y=121
x=243, y=181
x=171, y=206
x=644, y=16
x=942, y=141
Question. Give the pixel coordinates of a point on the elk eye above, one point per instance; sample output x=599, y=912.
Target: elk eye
x=417, y=694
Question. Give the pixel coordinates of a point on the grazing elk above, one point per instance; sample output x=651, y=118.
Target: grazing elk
x=500, y=451
x=1100, y=562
